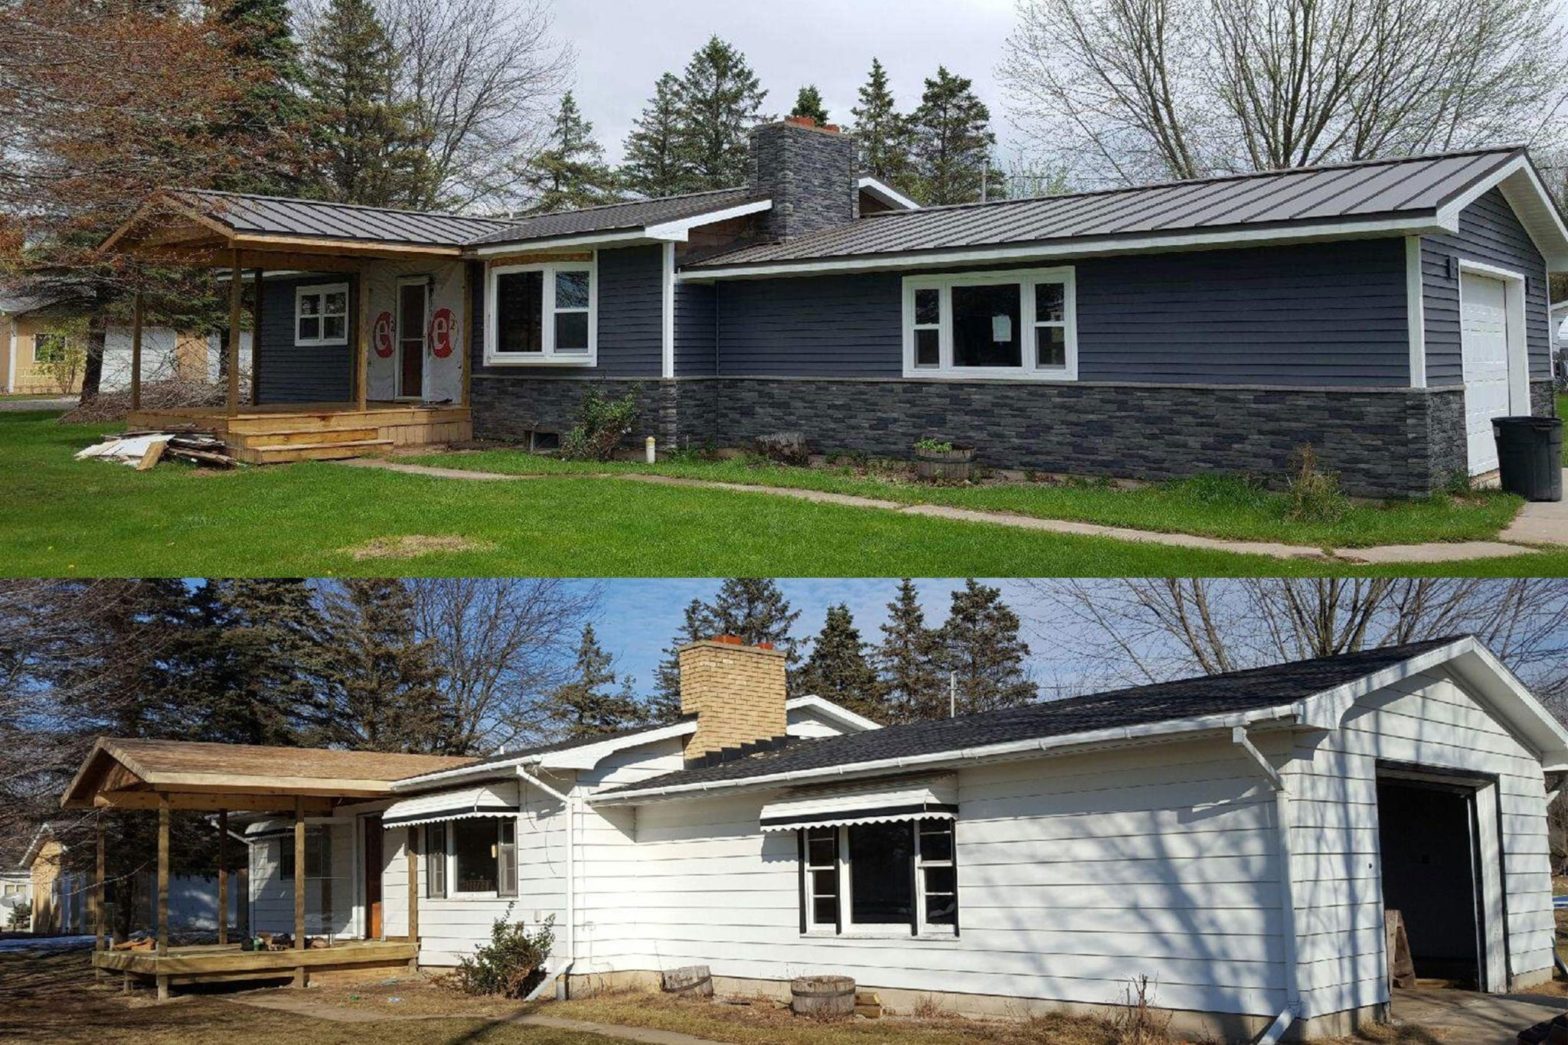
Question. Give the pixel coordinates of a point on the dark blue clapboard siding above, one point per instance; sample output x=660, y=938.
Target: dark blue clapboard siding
x=290, y=373
x=1315, y=314
x=823, y=326
x=630, y=338
x=1489, y=231
x=696, y=340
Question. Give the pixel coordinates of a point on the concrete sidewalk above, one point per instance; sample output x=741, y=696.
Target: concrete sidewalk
x=1471, y=1018
x=1546, y=524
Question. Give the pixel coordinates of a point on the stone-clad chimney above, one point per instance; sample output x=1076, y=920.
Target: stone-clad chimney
x=809, y=173
x=736, y=691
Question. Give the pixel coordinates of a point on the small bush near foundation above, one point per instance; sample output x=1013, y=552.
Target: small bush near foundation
x=601, y=425
x=1313, y=494
x=1137, y=1021
x=512, y=963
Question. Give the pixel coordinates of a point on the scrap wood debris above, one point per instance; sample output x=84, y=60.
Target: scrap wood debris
x=141, y=450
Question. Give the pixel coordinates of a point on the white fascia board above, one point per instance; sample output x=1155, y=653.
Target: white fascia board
x=582, y=756
x=1175, y=729
x=1411, y=226
x=886, y=193
x=677, y=231
x=604, y=239
x=1327, y=710
x=1521, y=187
x=838, y=712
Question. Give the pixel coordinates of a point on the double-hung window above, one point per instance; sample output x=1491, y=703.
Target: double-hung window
x=1017, y=324
x=474, y=856
x=318, y=855
x=876, y=878
x=321, y=314
x=542, y=315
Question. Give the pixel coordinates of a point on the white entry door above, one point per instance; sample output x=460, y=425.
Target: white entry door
x=1484, y=341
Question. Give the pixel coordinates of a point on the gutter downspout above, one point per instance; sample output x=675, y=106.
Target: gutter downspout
x=561, y=977
x=1282, y=815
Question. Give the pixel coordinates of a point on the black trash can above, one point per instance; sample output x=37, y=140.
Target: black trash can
x=1530, y=456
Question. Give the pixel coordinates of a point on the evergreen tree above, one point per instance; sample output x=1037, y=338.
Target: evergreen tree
x=665, y=705
x=837, y=668
x=881, y=133
x=952, y=140
x=383, y=681
x=653, y=166
x=914, y=686
x=589, y=705
x=755, y=609
x=570, y=173
x=808, y=102
x=256, y=668
x=980, y=645
x=274, y=109
x=371, y=142
x=720, y=100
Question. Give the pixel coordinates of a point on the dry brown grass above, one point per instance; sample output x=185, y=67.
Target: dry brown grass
x=168, y=394
x=413, y=545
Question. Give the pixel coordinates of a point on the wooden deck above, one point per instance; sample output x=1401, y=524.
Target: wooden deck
x=215, y=963
x=316, y=431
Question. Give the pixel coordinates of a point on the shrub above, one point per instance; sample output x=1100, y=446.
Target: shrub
x=512, y=963
x=1313, y=494
x=601, y=425
x=1136, y=1020
x=934, y=446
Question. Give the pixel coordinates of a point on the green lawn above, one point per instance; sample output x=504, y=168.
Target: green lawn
x=1211, y=506
x=60, y=517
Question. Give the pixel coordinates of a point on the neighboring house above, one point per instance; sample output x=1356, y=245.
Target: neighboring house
x=1238, y=839
x=28, y=344
x=16, y=889
x=58, y=896
x=1559, y=323
x=1382, y=311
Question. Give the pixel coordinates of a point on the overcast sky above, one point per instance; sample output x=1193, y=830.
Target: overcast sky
x=624, y=45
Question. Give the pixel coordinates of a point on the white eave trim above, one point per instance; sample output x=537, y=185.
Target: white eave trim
x=677, y=231
x=1417, y=225
x=1521, y=187
x=837, y=712
x=630, y=238
x=582, y=756
x=886, y=193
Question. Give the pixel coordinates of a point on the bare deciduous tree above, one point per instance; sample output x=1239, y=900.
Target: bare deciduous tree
x=1141, y=89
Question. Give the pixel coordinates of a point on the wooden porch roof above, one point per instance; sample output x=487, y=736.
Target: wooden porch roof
x=143, y=774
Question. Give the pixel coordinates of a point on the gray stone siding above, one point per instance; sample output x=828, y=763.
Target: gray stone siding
x=809, y=173
x=1393, y=443
x=1543, y=398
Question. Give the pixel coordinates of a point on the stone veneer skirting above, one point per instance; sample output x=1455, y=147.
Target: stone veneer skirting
x=1392, y=442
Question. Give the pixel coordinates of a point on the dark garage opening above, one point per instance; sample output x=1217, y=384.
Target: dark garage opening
x=1427, y=839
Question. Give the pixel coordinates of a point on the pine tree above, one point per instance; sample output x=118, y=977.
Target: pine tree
x=653, y=166
x=881, y=132
x=371, y=141
x=755, y=609
x=587, y=705
x=914, y=686
x=837, y=668
x=808, y=102
x=720, y=100
x=980, y=644
x=665, y=705
x=383, y=680
x=273, y=109
x=952, y=142
x=570, y=173
x=262, y=658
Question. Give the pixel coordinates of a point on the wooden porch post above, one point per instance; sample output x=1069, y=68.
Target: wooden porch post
x=299, y=886
x=362, y=345
x=136, y=352
x=236, y=286
x=468, y=330
x=163, y=874
x=98, y=908
x=223, y=876
x=255, y=342
x=413, y=888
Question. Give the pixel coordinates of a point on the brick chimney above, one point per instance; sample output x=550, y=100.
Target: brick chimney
x=736, y=691
x=809, y=173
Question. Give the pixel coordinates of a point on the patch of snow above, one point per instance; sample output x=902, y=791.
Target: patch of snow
x=48, y=943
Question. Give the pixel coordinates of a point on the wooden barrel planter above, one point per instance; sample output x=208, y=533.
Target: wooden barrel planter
x=944, y=466
x=825, y=997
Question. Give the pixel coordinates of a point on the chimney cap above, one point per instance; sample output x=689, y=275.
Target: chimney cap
x=810, y=123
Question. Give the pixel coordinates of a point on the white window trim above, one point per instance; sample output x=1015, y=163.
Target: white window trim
x=322, y=289
x=547, y=311
x=1026, y=280
x=1516, y=302
x=875, y=930
x=454, y=893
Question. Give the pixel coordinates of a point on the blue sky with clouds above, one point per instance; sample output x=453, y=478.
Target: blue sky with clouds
x=624, y=45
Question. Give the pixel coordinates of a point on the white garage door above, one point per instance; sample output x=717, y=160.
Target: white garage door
x=1484, y=338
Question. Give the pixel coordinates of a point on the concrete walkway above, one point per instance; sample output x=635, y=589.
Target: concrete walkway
x=1537, y=524
x=8, y=405
x=1469, y=1018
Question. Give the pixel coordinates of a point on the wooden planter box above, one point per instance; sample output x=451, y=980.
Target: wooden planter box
x=944, y=466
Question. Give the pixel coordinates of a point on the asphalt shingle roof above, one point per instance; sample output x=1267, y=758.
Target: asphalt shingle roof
x=617, y=216
x=1234, y=692
x=1324, y=194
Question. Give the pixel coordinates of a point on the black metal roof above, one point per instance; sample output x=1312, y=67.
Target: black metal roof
x=1234, y=692
x=613, y=217
x=1329, y=194
x=282, y=216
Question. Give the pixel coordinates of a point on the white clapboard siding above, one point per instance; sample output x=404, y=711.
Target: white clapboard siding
x=1428, y=720
x=272, y=897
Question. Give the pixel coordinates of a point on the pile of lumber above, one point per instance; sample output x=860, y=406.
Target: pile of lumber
x=143, y=449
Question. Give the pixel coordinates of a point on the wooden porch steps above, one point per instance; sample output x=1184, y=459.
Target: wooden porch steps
x=303, y=436
x=283, y=453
